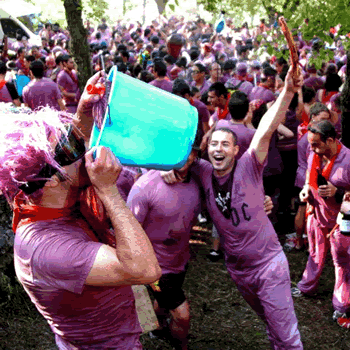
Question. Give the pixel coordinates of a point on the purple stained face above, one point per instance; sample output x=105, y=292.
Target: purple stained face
x=222, y=151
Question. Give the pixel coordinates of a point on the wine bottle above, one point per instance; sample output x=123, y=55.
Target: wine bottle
x=344, y=219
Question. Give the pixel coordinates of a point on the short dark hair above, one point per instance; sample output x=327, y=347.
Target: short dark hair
x=227, y=130
x=269, y=72
x=3, y=68
x=201, y=67
x=65, y=58
x=308, y=94
x=219, y=89
x=125, y=54
x=29, y=58
x=58, y=60
x=238, y=105
x=37, y=68
x=324, y=128
x=147, y=31
x=160, y=68
x=258, y=114
x=146, y=76
x=229, y=64
x=180, y=87
x=333, y=82
x=155, y=39
x=169, y=59
x=317, y=108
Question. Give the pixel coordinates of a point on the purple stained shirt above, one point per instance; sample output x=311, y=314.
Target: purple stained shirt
x=203, y=114
x=292, y=124
x=52, y=261
x=204, y=88
x=69, y=85
x=304, y=150
x=162, y=84
x=244, y=134
x=5, y=94
x=42, y=92
x=261, y=93
x=167, y=214
x=315, y=83
x=248, y=237
x=244, y=86
x=125, y=182
x=326, y=210
x=215, y=117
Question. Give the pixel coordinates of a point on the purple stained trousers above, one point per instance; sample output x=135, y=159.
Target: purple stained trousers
x=319, y=245
x=267, y=290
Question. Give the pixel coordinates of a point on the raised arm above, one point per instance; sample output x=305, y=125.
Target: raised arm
x=273, y=117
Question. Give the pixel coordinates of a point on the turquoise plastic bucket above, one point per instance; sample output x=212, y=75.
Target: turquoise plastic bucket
x=145, y=126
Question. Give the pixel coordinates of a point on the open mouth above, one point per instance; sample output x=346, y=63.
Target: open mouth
x=219, y=158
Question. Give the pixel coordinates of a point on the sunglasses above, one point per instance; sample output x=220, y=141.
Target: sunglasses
x=195, y=71
x=70, y=148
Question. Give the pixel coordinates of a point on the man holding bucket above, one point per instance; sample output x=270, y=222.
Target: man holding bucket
x=79, y=284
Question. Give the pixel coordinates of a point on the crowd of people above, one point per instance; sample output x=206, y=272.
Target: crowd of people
x=268, y=143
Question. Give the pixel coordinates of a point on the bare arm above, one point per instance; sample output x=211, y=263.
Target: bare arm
x=300, y=107
x=272, y=118
x=61, y=104
x=284, y=131
x=133, y=260
x=84, y=110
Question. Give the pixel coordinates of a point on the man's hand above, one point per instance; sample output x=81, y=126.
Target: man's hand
x=292, y=83
x=327, y=190
x=104, y=170
x=86, y=97
x=304, y=194
x=268, y=205
x=169, y=177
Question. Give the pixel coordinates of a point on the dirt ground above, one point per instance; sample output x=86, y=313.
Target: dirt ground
x=221, y=319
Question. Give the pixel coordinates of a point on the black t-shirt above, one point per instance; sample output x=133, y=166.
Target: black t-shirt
x=12, y=90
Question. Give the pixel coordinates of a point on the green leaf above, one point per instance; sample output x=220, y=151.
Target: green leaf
x=270, y=50
x=177, y=2
x=172, y=7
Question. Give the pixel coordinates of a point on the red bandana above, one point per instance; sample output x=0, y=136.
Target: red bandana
x=91, y=208
x=222, y=113
x=302, y=128
x=2, y=84
x=316, y=168
x=72, y=76
x=24, y=214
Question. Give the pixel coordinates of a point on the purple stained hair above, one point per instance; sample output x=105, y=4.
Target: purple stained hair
x=26, y=145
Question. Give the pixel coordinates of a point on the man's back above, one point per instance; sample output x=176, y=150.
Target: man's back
x=167, y=214
x=42, y=92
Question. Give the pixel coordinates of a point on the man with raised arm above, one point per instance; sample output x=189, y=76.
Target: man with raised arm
x=234, y=197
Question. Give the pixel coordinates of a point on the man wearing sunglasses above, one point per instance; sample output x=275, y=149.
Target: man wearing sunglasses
x=80, y=285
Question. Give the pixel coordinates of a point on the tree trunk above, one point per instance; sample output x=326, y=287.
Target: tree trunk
x=161, y=5
x=345, y=106
x=79, y=45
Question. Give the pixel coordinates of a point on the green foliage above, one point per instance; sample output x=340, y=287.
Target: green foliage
x=94, y=10
x=172, y=7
